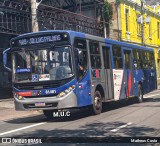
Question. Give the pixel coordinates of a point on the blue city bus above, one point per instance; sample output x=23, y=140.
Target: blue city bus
x=58, y=70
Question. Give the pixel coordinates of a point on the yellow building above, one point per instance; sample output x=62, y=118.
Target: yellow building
x=127, y=21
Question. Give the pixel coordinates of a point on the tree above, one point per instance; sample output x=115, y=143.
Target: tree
x=107, y=13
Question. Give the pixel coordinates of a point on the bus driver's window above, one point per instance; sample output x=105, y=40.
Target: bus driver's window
x=81, y=57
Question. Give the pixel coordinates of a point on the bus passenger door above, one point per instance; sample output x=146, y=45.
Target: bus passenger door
x=108, y=75
x=128, y=72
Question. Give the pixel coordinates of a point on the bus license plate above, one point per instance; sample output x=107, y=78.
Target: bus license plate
x=40, y=104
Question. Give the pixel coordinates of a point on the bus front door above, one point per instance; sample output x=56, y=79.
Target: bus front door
x=128, y=73
x=108, y=75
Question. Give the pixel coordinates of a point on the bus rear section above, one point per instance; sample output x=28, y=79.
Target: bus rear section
x=125, y=71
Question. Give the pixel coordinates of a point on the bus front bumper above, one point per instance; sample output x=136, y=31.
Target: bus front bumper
x=46, y=103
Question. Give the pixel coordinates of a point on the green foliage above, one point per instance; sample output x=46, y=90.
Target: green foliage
x=108, y=11
x=118, y=2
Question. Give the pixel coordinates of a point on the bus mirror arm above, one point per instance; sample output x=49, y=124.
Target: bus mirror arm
x=5, y=59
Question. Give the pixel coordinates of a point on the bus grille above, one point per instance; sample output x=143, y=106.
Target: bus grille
x=41, y=96
x=48, y=105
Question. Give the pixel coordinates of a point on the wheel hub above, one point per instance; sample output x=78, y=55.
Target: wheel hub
x=97, y=102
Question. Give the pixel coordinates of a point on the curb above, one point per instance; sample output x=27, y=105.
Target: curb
x=35, y=113
x=3, y=100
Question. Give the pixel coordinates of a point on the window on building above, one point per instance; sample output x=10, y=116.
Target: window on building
x=127, y=19
x=138, y=25
x=158, y=29
x=117, y=56
x=139, y=29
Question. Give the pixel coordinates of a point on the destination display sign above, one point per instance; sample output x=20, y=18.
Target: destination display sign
x=47, y=38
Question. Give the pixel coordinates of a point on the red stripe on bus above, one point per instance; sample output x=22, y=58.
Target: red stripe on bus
x=28, y=93
x=97, y=73
x=129, y=84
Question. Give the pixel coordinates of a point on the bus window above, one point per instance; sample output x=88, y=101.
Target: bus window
x=95, y=55
x=81, y=58
x=128, y=64
x=137, y=59
x=22, y=63
x=9, y=64
x=145, y=59
x=95, y=62
x=117, y=57
x=151, y=60
x=134, y=51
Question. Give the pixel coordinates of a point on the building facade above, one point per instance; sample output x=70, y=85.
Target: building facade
x=138, y=23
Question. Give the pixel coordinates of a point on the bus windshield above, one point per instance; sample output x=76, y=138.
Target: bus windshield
x=34, y=65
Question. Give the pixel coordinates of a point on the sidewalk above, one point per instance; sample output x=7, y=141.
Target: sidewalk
x=5, y=93
x=8, y=112
x=7, y=109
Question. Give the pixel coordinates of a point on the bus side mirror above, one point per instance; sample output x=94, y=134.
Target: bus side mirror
x=5, y=59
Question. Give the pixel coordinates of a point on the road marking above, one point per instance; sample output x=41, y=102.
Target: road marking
x=120, y=127
x=19, y=129
x=151, y=95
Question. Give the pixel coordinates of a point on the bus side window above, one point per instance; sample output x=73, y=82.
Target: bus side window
x=95, y=55
x=117, y=56
x=151, y=60
x=145, y=59
x=137, y=59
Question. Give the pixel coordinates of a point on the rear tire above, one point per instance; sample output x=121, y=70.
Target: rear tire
x=140, y=93
x=97, y=103
x=48, y=114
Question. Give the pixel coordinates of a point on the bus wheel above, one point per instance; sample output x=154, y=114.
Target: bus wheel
x=97, y=103
x=140, y=94
x=48, y=114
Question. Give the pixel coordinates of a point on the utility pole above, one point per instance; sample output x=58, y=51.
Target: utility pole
x=104, y=24
x=34, y=6
x=142, y=21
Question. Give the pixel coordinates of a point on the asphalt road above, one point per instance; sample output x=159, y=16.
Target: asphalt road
x=119, y=119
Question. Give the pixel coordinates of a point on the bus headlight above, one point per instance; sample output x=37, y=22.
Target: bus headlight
x=65, y=92
x=61, y=94
x=18, y=96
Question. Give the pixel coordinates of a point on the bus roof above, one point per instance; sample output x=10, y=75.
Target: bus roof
x=88, y=36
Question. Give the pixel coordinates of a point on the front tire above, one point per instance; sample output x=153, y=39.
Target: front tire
x=97, y=103
x=140, y=94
